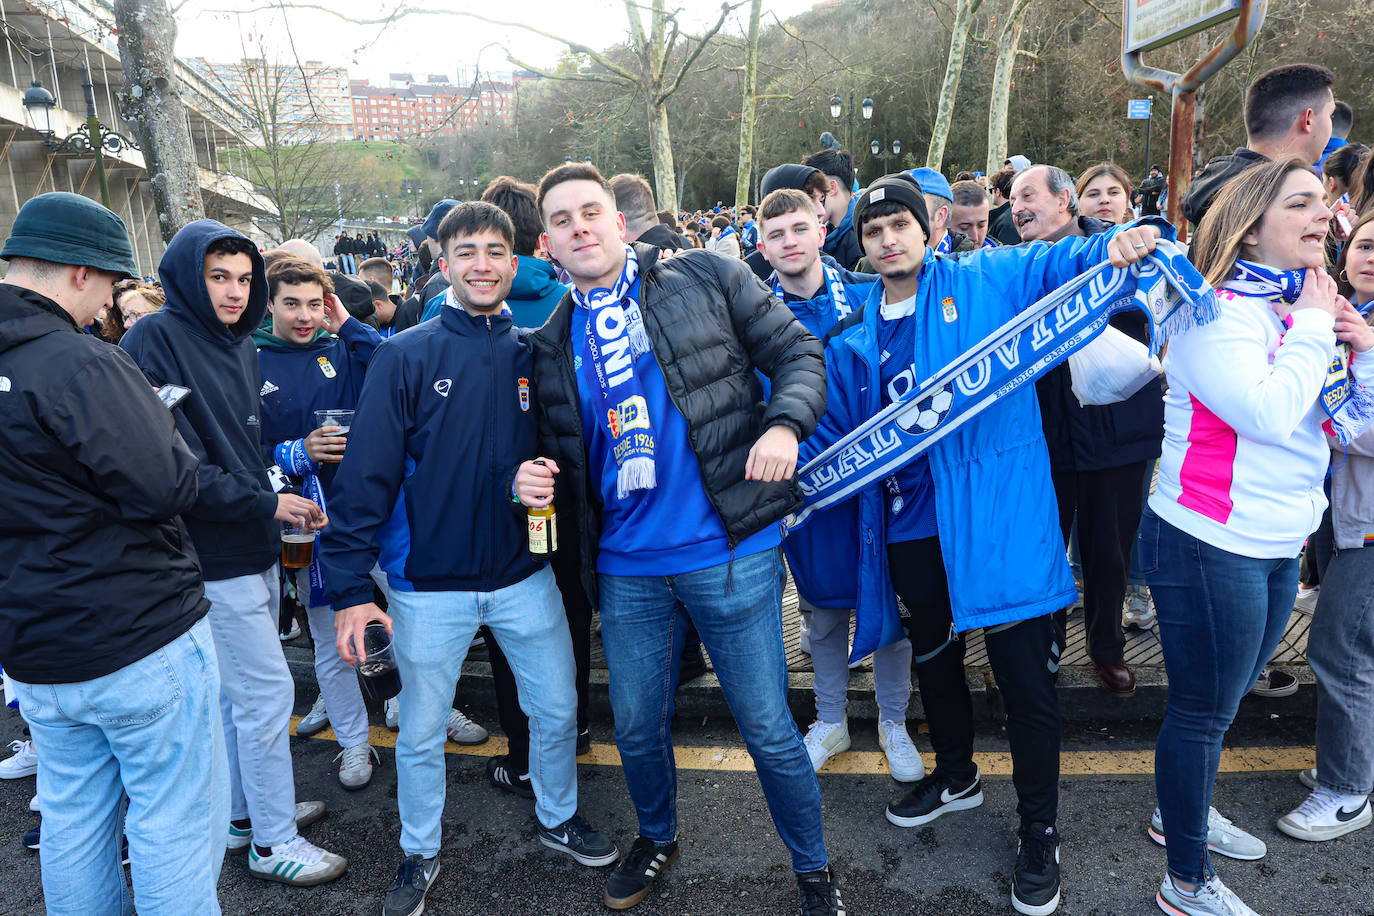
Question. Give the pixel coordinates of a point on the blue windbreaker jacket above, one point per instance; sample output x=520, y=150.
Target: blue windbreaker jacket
x=994, y=500
x=443, y=419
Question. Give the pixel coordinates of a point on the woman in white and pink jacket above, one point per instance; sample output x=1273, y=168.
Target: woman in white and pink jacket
x=1240, y=488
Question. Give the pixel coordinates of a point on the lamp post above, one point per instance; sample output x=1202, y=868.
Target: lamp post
x=837, y=107
x=879, y=150
x=92, y=137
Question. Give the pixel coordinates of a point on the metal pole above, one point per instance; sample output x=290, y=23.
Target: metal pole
x=850, y=146
x=97, y=142
x=1149, y=122
x=1180, y=156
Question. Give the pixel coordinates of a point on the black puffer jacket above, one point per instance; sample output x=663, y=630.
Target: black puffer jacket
x=1104, y=436
x=711, y=324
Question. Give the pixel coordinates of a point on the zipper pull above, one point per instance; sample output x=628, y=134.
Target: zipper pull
x=488, y=322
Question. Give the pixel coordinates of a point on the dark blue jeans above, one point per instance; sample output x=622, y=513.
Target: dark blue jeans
x=738, y=613
x=1221, y=616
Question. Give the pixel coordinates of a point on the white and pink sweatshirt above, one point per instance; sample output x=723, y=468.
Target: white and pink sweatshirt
x=1244, y=453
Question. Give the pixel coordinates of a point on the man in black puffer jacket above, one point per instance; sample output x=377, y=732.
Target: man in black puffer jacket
x=672, y=474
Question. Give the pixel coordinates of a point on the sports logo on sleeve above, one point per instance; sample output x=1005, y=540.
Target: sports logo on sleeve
x=442, y=386
x=522, y=386
x=947, y=309
x=326, y=368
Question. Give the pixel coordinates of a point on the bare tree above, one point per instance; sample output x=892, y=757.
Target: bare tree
x=746, y=117
x=147, y=34
x=1007, y=41
x=289, y=148
x=949, y=88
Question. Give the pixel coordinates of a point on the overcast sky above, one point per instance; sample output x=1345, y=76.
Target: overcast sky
x=422, y=43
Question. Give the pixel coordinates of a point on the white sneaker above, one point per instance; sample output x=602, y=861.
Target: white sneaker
x=1212, y=898
x=804, y=635
x=903, y=760
x=307, y=813
x=33, y=804
x=462, y=730
x=355, y=770
x=23, y=763
x=1326, y=815
x=297, y=862
x=1308, y=777
x=826, y=739
x=315, y=720
x=1306, y=601
x=1223, y=837
x=1139, y=608
x=393, y=714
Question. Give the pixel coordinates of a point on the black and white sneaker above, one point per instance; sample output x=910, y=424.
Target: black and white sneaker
x=499, y=772
x=577, y=838
x=637, y=871
x=1035, y=881
x=413, y=880
x=820, y=895
x=933, y=796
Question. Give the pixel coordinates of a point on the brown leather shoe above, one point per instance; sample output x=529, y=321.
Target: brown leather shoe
x=1119, y=679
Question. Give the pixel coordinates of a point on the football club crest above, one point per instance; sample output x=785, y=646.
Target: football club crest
x=326, y=368
x=522, y=385
x=951, y=314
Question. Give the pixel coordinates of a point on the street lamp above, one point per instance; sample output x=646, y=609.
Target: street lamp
x=879, y=148
x=92, y=137
x=837, y=107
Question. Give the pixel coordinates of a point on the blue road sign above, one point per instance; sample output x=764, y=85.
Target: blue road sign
x=1138, y=109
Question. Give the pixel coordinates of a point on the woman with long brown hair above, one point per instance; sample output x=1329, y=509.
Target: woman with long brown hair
x=1240, y=488
x=1104, y=192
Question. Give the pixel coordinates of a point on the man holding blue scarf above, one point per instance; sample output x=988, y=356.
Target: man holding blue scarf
x=970, y=538
x=671, y=476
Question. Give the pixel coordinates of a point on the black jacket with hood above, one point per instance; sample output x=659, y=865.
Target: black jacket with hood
x=185, y=343
x=98, y=569
x=1219, y=171
x=713, y=328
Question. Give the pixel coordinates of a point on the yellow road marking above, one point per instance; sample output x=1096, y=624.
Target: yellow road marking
x=737, y=760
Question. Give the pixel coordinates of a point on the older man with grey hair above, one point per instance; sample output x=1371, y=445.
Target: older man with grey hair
x=1044, y=205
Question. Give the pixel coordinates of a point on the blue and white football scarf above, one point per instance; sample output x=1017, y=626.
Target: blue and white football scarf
x=1349, y=404
x=292, y=458
x=1165, y=286
x=833, y=284
x=614, y=339
x=946, y=245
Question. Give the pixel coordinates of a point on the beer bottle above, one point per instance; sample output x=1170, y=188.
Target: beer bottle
x=543, y=528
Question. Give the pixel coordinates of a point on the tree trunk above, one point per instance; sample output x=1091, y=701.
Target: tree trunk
x=147, y=34
x=661, y=148
x=746, y=116
x=949, y=89
x=1000, y=102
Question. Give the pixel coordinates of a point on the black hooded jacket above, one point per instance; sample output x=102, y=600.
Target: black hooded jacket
x=98, y=569
x=1219, y=171
x=185, y=343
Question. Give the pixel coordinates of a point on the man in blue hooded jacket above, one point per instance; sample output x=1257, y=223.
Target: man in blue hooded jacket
x=201, y=339
x=970, y=537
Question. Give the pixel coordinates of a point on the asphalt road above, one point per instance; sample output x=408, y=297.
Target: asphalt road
x=733, y=862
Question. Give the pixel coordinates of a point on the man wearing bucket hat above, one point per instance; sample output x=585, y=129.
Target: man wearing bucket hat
x=102, y=611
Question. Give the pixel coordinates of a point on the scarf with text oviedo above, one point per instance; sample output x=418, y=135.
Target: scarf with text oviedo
x=1164, y=285
x=1349, y=404
x=614, y=339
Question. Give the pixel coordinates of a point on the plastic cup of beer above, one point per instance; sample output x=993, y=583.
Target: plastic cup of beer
x=339, y=418
x=297, y=546
x=381, y=678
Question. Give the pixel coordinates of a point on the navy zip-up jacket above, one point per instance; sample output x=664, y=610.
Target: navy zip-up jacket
x=443, y=419
x=185, y=343
x=325, y=374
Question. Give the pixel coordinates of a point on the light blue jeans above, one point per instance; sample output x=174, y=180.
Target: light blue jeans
x=737, y=609
x=432, y=633
x=151, y=731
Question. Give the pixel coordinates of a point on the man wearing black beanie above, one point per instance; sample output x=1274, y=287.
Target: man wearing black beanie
x=964, y=534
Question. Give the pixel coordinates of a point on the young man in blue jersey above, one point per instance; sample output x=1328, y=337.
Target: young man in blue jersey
x=672, y=475
x=305, y=369
x=820, y=298
x=443, y=419
x=966, y=534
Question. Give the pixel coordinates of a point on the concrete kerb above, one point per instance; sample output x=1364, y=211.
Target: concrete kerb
x=1081, y=696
